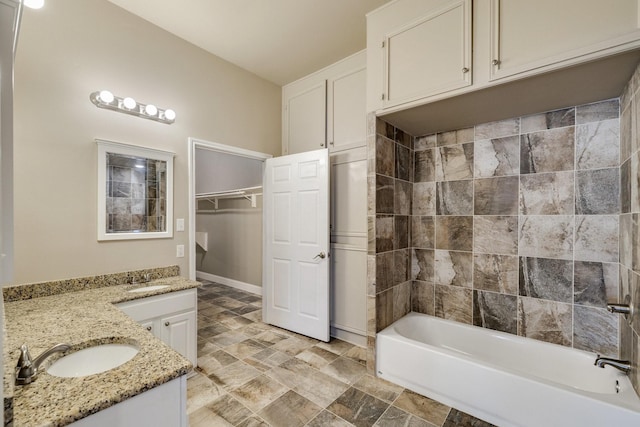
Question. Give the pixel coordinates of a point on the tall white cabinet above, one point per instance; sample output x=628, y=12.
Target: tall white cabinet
x=328, y=109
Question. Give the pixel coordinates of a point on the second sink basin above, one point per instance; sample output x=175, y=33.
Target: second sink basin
x=92, y=360
x=148, y=288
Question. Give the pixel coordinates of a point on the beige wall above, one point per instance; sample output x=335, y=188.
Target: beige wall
x=68, y=50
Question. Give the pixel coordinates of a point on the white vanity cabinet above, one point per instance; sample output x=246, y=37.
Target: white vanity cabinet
x=326, y=108
x=170, y=317
x=423, y=51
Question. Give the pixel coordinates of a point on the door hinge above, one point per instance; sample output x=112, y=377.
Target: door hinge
x=383, y=43
x=382, y=97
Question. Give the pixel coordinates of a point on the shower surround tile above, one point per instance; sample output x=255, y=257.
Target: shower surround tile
x=385, y=194
x=550, y=279
x=548, y=120
x=454, y=198
x=596, y=330
x=547, y=151
x=598, y=192
x=497, y=129
x=497, y=157
x=454, y=233
x=403, y=162
x=423, y=265
x=597, y=238
x=422, y=297
x=495, y=311
x=385, y=156
x=546, y=236
x=424, y=198
x=595, y=283
x=423, y=142
x=384, y=233
x=455, y=137
x=454, y=162
x=454, y=303
x=598, y=145
x=424, y=166
x=496, y=196
x=454, y=268
x=423, y=232
x=403, y=193
x=401, y=232
x=496, y=273
x=598, y=111
x=547, y=194
x=543, y=320
x=495, y=234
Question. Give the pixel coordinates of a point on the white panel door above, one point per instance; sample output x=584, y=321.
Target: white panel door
x=296, y=240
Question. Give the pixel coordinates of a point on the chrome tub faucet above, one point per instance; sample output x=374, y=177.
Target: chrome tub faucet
x=622, y=365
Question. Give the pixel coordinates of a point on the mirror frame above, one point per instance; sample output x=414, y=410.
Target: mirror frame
x=105, y=147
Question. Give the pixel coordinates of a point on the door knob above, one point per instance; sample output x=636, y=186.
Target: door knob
x=321, y=255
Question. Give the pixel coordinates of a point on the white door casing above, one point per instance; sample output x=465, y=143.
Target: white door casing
x=296, y=243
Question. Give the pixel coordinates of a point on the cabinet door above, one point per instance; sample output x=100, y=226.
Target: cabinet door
x=150, y=326
x=305, y=124
x=527, y=35
x=430, y=56
x=179, y=332
x=347, y=115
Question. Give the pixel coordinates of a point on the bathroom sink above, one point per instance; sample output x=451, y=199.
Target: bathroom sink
x=148, y=288
x=92, y=360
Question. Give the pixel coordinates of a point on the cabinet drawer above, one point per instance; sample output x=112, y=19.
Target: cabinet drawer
x=160, y=305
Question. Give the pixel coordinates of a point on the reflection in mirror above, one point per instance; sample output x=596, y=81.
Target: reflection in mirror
x=134, y=193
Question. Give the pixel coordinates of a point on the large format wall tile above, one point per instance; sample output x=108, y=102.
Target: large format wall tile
x=496, y=196
x=424, y=166
x=403, y=162
x=548, y=120
x=598, y=145
x=454, y=198
x=598, y=191
x=400, y=232
x=497, y=273
x=385, y=194
x=424, y=142
x=545, y=320
x=595, y=283
x=385, y=156
x=423, y=232
x=495, y=311
x=423, y=265
x=422, y=297
x=424, y=198
x=546, y=278
x=384, y=233
x=498, y=129
x=547, y=151
x=454, y=268
x=455, y=137
x=454, y=303
x=546, y=236
x=454, y=162
x=497, y=157
x=597, y=238
x=598, y=111
x=454, y=233
x=403, y=194
x=596, y=330
x=547, y=194
x=495, y=234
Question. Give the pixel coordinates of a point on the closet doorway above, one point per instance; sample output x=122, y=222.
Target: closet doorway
x=225, y=214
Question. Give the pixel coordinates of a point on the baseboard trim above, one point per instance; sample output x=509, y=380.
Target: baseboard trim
x=356, y=339
x=248, y=287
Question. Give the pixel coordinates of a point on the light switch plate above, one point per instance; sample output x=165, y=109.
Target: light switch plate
x=179, y=251
x=180, y=224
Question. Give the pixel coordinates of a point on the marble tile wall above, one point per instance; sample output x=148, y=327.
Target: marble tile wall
x=515, y=226
x=629, y=283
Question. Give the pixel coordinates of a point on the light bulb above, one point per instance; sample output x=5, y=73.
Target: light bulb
x=34, y=4
x=129, y=103
x=151, y=109
x=106, y=96
x=169, y=114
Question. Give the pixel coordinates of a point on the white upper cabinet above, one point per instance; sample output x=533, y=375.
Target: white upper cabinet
x=326, y=108
x=424, y=51
x=528, y=35
x=429, y=56
x=304, y=113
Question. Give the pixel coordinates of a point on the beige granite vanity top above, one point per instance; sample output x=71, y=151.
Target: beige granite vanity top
x=84, y=318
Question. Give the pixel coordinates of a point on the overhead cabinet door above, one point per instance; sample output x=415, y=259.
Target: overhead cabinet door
x=430, y=56
x=306, y=119
x=527, y=35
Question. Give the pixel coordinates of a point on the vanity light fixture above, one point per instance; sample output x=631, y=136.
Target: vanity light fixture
x=128, y=105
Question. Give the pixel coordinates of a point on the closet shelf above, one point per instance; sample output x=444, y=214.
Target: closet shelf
x=249, y=193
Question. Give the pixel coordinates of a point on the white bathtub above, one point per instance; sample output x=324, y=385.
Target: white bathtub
x=502, y=378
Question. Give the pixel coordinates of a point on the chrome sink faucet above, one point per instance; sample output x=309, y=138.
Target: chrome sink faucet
x=622, y=365
x=27, y=368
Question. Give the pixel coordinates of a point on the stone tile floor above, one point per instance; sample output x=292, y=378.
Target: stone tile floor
x=253, y=374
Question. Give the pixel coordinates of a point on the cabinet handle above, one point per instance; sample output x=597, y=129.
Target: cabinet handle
x=465, y=70
x=321, y=145
x=148, y=328
x=166, y=323
x=496, y=62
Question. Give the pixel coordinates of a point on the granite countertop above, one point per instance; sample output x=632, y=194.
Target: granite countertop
x=84, y=318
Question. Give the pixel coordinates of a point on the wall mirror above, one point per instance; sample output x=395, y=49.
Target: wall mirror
x=135, y=192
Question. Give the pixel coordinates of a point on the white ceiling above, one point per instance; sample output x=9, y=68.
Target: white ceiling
x=279, y=40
